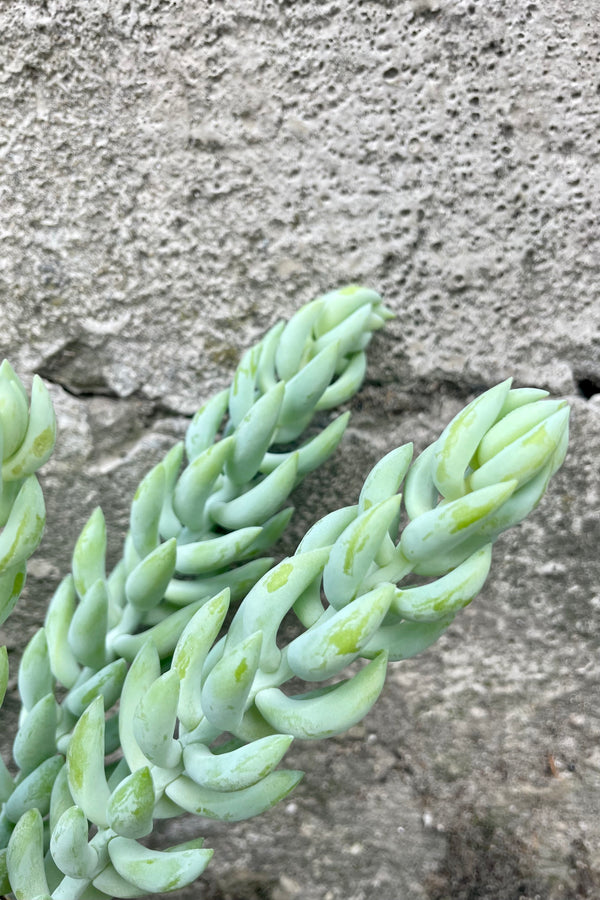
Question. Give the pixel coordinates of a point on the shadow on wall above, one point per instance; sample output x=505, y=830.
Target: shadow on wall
x=486, y=861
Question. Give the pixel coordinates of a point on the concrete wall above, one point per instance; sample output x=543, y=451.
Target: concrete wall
x=176, y=176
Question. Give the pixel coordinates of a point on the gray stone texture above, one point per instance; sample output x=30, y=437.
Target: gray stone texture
x=175, y=177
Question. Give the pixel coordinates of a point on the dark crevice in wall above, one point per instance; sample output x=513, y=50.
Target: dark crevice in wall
x=587, y=387
x=156, y=409
x=83, y=393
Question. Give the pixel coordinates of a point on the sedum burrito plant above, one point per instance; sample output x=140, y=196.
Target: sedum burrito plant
x=141, y=697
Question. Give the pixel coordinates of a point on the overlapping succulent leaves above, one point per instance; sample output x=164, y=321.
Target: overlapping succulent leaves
x=192, y=532
x=485, y=473
x=27, y=436
x=203, y=722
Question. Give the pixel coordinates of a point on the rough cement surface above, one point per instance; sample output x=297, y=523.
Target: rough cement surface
x=175, y=176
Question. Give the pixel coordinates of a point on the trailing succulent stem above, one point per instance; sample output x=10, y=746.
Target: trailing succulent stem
x=203, y=717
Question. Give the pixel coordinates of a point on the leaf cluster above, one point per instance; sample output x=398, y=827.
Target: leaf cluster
x=163, y=709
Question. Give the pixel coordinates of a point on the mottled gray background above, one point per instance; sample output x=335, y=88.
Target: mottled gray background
x=176, y=176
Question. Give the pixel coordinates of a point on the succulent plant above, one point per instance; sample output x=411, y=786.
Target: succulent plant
x=205, y=714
